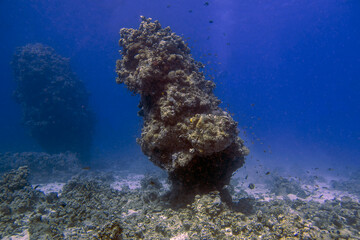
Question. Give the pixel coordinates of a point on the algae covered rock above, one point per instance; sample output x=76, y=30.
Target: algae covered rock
x=54, y=100
x=185, y=131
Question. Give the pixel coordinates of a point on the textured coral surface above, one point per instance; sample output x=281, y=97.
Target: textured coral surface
x=54, y=100
x=185, y=131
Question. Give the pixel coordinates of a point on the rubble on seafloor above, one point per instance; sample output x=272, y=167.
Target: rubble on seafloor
x=89, y=208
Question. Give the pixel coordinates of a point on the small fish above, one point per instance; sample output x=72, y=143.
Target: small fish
x=321, y=196
x=316, y=168
x=253, y=104
x=330, y=169
x=251, y=186
x=86, y=168
x=246, y=177
x=36, y=186
x=190, y=11
x=211, y=21
x=168, y=6
x=206, y=4
x=267, y=173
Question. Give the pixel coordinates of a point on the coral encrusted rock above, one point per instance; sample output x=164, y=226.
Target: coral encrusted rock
x=185, y=131
x=54, y=100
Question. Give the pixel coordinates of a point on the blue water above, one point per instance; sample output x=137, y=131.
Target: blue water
x=289, y=71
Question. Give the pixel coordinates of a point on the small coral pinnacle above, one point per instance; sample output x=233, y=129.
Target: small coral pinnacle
x=185, y=131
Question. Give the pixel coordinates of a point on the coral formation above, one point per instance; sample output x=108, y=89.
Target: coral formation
x=185, y=131
x=54, y=100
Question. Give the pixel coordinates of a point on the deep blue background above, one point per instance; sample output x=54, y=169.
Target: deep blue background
x=289, y=71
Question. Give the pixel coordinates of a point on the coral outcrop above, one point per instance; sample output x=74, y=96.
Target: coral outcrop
x=185, y=131
x=54, y=100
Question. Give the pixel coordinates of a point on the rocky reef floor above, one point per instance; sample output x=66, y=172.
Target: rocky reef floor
x=126, y=205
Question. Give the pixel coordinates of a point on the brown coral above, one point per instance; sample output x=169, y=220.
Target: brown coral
x=185, y=131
